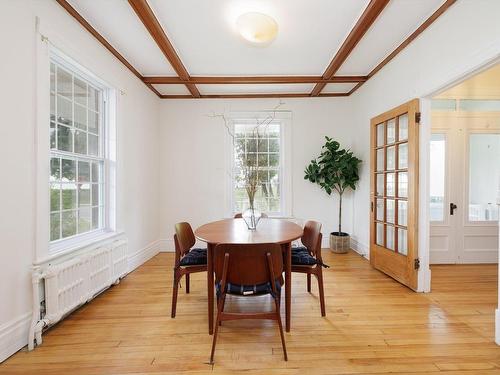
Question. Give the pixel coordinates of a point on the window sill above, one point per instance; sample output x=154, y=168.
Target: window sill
x=74, y=245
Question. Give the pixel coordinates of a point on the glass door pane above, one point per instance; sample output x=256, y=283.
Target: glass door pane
x=484, y=174
x=437, y=176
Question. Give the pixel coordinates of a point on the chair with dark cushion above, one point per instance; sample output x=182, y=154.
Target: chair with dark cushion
x=307, y=259
x=239, y=215
x=187, y=259
x=248, y=270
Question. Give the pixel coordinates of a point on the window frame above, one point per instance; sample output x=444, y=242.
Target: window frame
x=45, y=250
x=284, y=119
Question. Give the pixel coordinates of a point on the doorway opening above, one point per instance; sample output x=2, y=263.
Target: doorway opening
x=464, y=194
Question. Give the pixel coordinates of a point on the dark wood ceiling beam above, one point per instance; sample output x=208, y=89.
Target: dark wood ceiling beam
x=372, y=11
x=77, y=16
x=253, y=96
x=148, y=18
x=429, y=21
x=254, y=80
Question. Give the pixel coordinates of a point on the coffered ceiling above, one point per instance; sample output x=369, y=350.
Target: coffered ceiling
x=191, y=48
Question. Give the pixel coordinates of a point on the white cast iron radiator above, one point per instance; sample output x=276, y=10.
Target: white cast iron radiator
x=71, y=283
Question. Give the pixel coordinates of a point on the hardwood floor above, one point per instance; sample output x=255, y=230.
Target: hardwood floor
x=373, y=325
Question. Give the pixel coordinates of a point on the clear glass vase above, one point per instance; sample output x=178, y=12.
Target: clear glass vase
x=251, y=216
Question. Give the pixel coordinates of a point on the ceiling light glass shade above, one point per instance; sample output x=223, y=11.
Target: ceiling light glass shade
x=257, y=28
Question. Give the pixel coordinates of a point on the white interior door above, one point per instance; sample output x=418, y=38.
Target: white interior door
x=465, y=168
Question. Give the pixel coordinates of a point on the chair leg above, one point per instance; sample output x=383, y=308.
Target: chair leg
x=175, y=291
x=309, y=282
x=278, y=316
x=187, y=283
x=319, y=276
x=223, y=304
x=217, y=323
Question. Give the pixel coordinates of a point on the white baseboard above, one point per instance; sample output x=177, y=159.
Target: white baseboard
x=360, y=248
x=143, y=255
x=14, y=335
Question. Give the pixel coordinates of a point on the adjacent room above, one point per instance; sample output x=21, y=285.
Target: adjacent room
x=254, y=186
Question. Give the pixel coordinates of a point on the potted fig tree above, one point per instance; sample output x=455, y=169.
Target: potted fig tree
x=335, y=170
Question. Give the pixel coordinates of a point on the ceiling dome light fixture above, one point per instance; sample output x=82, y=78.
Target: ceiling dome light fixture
x=257, y=28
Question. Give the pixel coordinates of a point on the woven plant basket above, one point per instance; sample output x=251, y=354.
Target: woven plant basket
x=340, y=244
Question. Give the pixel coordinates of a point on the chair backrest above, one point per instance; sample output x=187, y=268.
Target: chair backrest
x=184, y=238
x=312, y=237
x=239, y=215
x=248, y=264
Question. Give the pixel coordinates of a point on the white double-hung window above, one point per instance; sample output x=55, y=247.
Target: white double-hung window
x=261, y=140
x=78, y=178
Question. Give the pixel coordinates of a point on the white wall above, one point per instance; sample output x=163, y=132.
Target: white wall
x=461, y=40
x=137, y=151
x=193, y=158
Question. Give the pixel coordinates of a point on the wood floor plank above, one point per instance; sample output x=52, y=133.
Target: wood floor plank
x=373, y=326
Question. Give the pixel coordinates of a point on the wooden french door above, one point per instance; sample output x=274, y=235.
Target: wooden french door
x=394, y=193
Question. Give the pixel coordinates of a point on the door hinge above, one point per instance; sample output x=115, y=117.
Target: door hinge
x=417, y=117
x=417, y=264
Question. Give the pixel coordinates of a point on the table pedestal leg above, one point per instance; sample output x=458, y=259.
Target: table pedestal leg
x=210, y=287
x=288, y=284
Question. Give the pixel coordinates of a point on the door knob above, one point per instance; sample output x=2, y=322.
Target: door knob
x=453, y=207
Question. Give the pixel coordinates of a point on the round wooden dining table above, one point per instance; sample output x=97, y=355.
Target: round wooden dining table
x=235, y=231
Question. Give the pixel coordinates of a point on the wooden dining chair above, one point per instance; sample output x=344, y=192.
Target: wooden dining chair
x=248, y=270
x=307, y=259
x=187, y=259
x=239, y=215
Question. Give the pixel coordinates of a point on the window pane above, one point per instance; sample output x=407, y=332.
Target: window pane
x=403, y=156
x=402, y=241
x=380, y=209
x=52, y=135
x=55, y=226
x=403, y=213
x=80, y=117
x=93, y=145
x=80, y=142
x=484, y=176
x=83, y=171
x=380, y=234
x=380, y=159
x=479, y=105
x=80, y=92
x=437, y=176
x=380, y=135
x=391, y=131
x=94, y=99
x=64, y=138
x=391, y=158
x=403, y=127
x=64, y=83
x=68, y=196
x=55, y=197
x=274, y=145
x=95, y=217
x=52, y=77
x=403, y=184
x=52, y=107
x=391, y=185
x=95, y=172
x=68, y=170
x=55, y=169
x=95, y=195
x=390, y=210
x=93, y=122
x=64, y=111
x=389, y=237
x=444, y=105
x=84, y=220
x=274, y=160
x=68, y=221
x=83, y=195
x=380, y=184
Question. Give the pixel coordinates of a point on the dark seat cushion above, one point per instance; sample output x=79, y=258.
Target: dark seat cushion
x=300, y=256
x=244, y=290
x=195, y=257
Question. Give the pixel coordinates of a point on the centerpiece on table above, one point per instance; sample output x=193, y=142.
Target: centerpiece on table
x=335, y=169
